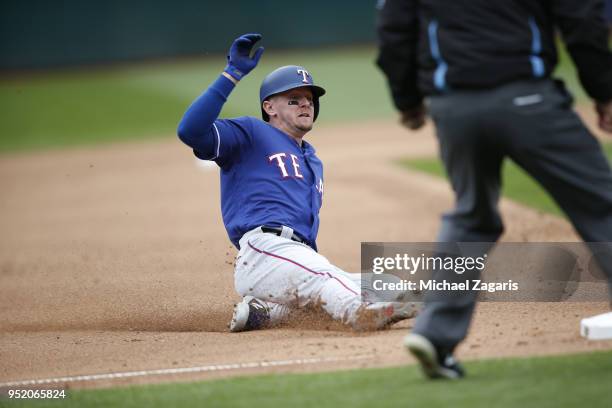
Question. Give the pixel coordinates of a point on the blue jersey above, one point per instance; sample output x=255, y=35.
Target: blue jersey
x=267, y=178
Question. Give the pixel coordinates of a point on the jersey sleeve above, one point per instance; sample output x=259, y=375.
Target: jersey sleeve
x=232, y=138
x=586, y=35
x=397, y=28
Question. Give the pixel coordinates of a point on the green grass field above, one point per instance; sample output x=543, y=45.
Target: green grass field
x=581, y=380
x=140, y=101
x=517, y=184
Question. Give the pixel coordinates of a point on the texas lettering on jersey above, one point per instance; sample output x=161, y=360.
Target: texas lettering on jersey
x=279, y=160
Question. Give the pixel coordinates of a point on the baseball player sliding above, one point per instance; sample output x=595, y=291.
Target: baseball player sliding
x=271, y=193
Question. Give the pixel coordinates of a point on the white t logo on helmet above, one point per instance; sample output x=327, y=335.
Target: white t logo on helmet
x=304, y=74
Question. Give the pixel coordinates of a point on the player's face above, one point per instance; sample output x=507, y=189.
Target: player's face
x=294, y=110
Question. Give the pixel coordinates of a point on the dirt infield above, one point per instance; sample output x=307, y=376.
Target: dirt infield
x=115, y=259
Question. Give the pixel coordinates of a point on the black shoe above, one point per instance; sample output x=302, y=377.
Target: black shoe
x=249, y=314
x=435, y=364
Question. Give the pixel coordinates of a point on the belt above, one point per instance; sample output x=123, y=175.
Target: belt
x=278, y=231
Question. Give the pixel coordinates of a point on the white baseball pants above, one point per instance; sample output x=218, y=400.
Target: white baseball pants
x=286, y=274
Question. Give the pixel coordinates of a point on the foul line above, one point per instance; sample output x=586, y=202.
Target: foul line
x=184, y=370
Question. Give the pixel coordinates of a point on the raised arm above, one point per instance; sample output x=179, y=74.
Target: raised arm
x=197, y=128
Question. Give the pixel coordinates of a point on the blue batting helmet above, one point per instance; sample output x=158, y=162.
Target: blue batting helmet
x=284, y=79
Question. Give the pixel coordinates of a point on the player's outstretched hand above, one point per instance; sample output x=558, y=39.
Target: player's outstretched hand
x=413, y=118
x=239, y=60
x=604, y=112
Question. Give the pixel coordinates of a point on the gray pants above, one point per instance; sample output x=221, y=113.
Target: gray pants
x=532, y=123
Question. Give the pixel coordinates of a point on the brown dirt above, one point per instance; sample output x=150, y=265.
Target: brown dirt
x=115, y=259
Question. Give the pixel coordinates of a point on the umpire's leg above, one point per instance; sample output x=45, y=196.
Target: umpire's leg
x=472, y=159
x=560, y=153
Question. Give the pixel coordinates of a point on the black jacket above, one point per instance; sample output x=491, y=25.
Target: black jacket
x=435, y=46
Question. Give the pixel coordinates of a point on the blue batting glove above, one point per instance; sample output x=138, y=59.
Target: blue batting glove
x=239, y=60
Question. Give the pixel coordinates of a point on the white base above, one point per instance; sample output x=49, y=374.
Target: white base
x=597, y=327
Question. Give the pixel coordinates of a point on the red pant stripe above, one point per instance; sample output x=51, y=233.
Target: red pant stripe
x=303, y=267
